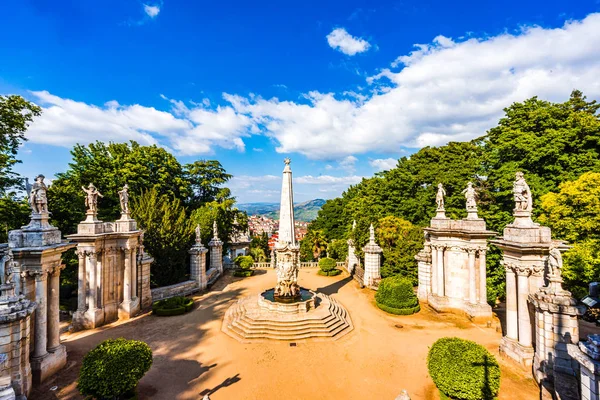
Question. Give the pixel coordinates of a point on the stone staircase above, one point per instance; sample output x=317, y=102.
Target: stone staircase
x=248, y=322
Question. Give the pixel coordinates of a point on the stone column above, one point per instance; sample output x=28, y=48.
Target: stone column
x=127, y=277
x=81, y=292
x=92, y=297
x=54, y=310
x=440, y=271
x=511, y=304
x=41, y=315
x=472, y=277
x=523, y=309
x=482, y=277
x=133, y=275
x=198, y=265
x=434, y=270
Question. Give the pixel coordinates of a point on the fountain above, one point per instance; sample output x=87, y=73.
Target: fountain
x=286, y=311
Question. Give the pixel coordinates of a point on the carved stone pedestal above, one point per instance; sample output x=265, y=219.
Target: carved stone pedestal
x=49, y=364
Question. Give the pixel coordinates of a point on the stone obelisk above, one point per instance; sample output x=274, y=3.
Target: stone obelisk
x=286, y=248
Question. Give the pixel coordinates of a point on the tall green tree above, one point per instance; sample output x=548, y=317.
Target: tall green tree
x=574, y=215
x=206, y=178
x=16, y=114
x=109, y=166
x=400, y=241
x=168, y=235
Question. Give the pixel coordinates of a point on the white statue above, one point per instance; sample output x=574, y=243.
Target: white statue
x=555, y=262
x=439, y=197
x=470, y=195
x=124, y=199
x=215, y=231
x=37, y=195
x=522, y=194
x=91, y=199
x=198, y=237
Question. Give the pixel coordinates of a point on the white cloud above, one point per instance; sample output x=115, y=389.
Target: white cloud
x=383, y=164
x=328, y=179
x=151, y=11
x=342, y=41
x=442, y=91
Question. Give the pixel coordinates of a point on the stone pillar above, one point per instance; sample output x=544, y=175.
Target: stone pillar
x=482, y=277
x=198, y=265
x=133, y=275
x=522, y=308
x=424, y=272
x=41, y=315
x=127, y=278
x=92, y=296
x=81, y=290
x=440, y=271
x=54, y=310
x=587, y=355
x=434, y=270
x=473, y=278
x=512, y=315
x=372, y=261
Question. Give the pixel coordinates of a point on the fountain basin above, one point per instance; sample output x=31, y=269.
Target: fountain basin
x=301, y=304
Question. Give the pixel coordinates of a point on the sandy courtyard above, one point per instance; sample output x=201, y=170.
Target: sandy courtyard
x=383, y=355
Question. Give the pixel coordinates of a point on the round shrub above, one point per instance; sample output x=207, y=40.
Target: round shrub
x=173, y=306
x=396, y=296
x=113, y=368
x=333, y=272
x=463, y=370
x=244, y=262
x=326, y=264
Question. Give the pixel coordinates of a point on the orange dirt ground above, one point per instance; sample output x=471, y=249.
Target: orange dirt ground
x=383, y=355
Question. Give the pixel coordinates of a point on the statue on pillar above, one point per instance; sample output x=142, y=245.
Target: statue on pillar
x=470, y=196
x=439, y=197
x=555, y=263
x=124, y=199
x=91, y=199
x=198, y=237
x=215, y=231
x=37, y=195
x=522, y=194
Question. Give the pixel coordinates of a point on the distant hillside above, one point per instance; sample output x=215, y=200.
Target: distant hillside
x=306, y=211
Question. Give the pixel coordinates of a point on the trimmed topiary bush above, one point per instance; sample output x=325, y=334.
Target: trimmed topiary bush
x=113, y=369
x=333, y=272
x=395, y=295
x=173, y=306
x=463, y=370
x=244, y=263
x=327, y=267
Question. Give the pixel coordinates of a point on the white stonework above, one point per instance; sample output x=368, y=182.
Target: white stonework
x=216, y=256
x=37, y=250
x=452, y=266
x=287, y=251
x=587, y=355
x=15, y=327
x=353, y=260
x=198, y=262
x=372, y=252
x=112, y=275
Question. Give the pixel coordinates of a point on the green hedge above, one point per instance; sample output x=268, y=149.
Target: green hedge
x=332, y=272
x=326, y=264
x=113, y=369
x=244, y=262
x=396, y=295
x=173, y=306
x=243, y=272
x=399, y=311
x=463, y=370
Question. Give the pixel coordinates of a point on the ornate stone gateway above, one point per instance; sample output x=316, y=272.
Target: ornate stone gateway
x=287, y=311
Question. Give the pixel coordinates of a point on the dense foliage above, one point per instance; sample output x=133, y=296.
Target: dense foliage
x=15, y=116
x=172, y=306
x=396, y=296
x=113, y=368
x=245, y=264
x=551, y=143
x=327, y=267
x=463, y=370
x=259, y=247
x=400, y=241
x=574, y=215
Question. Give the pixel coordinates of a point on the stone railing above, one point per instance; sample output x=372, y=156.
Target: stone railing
x=178, y=289
x=261, y=265
x=309, y=264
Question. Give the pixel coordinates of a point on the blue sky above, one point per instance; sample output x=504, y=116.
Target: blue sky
x=343, y=88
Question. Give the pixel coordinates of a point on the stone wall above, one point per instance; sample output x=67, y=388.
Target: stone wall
x=179, y=289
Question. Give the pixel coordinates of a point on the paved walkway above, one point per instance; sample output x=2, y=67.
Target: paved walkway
x=383, y=355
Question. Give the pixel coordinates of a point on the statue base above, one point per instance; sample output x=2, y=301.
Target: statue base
x=440, y=214
x=38, y=233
